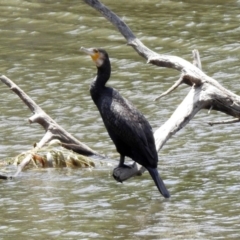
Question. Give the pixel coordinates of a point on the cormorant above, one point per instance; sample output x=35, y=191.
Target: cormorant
x=128, y=128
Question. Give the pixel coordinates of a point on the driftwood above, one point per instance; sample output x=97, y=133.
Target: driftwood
x=52, y=129
x=205, y=92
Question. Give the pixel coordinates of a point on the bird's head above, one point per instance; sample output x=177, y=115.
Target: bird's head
x=98, y=55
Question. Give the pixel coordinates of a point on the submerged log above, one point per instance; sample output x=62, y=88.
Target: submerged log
x=205, y=92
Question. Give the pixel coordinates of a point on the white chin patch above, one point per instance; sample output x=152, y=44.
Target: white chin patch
x=99, y=62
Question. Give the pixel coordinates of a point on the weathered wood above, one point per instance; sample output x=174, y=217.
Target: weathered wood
x=52, y=129
x=196, y=59
x=171, y=89
x=205, y=92
x=235, y=120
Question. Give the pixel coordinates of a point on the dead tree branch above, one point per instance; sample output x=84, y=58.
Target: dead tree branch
x=235, y=120
x=205, y=92
x=196, y=59
x=52, y=129
x=171, y=89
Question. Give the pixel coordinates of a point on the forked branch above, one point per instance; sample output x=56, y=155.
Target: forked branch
x=205, y=92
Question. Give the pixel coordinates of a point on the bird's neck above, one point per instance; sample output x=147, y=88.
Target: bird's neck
x=97, y=86
x=103, y=75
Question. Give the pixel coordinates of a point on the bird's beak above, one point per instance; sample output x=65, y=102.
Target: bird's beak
x=90, y=51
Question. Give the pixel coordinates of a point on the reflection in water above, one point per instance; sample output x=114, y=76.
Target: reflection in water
x=40, y=44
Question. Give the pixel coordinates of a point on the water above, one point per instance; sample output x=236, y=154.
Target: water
x=39, y=49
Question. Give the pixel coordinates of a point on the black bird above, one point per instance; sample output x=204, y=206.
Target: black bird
x=128, y=128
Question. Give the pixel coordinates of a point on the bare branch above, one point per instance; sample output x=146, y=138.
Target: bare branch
x=176, y=84
x=235, y=120
x=205, y=92
x=53, y=130
x=181, y=116
x=196, y=59
x=113, y=18
x=197, y=63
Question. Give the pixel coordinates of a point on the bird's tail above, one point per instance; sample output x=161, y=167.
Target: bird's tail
x=158, y=181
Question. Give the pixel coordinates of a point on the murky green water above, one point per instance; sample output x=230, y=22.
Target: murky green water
x=39, y=49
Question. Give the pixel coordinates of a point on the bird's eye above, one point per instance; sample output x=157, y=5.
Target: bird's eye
x=95, y=50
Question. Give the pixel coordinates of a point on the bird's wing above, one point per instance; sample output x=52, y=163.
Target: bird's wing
x=130, y=126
